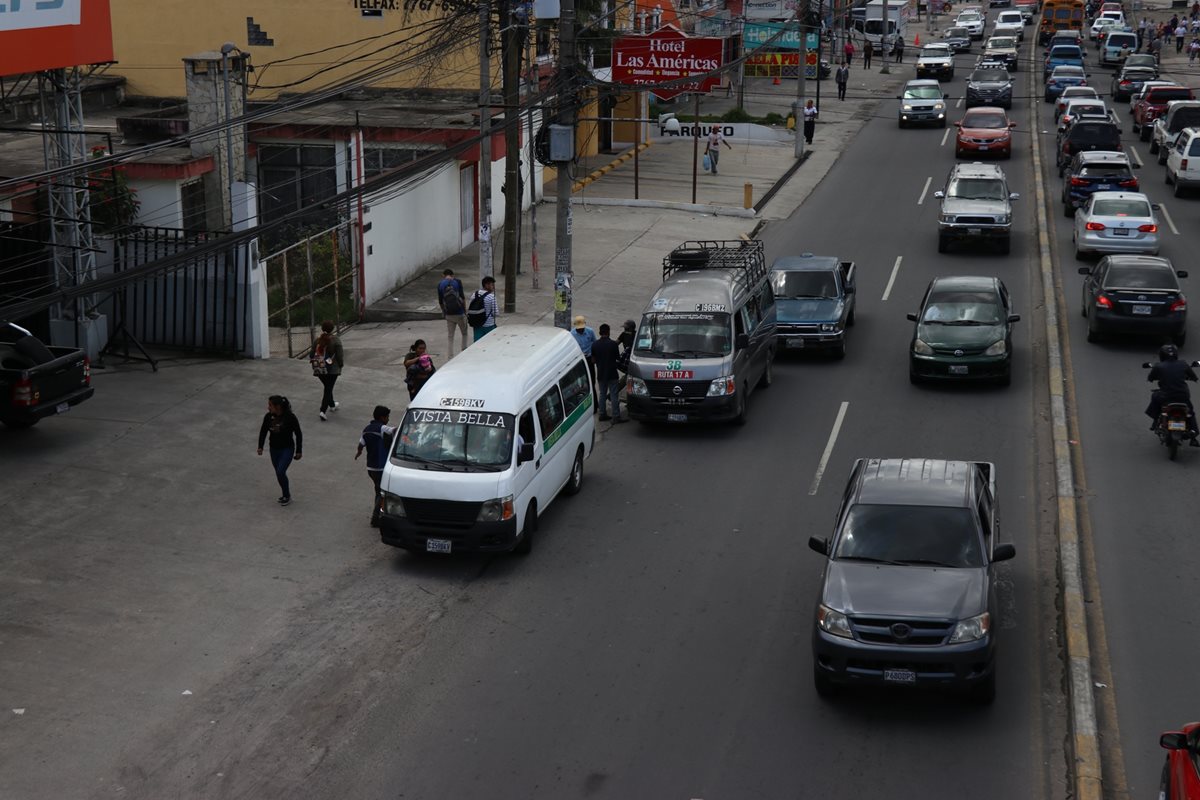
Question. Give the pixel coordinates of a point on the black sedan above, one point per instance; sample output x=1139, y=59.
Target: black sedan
x=1137, y=295
x=1129, y=81
x=963, y=331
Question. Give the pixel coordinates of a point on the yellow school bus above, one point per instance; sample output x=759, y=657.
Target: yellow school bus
x=1060, y=15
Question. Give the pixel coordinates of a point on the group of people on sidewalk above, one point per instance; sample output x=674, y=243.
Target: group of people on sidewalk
x=1152, y=36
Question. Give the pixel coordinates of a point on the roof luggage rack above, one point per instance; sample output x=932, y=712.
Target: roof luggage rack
x=746, y=256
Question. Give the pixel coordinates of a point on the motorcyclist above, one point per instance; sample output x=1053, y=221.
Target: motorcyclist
x=1172, y=376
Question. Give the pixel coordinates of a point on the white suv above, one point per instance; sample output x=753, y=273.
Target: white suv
x=1183, y=162
x=1180, y=114
x=1009, y=23
x=973, y=22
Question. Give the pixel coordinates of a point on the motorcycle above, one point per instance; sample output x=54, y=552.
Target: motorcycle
x=1172, y=426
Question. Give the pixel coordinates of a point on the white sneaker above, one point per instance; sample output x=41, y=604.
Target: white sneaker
x=323, y=417
x=333, y=407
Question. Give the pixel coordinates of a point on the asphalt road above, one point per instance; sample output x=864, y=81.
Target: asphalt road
x=1142, y=526
x=657, y=642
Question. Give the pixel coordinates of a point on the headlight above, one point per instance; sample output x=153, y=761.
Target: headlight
x=393, y=506
x=834, y=622
x=496, y=510
x=939, y=106
x=725, y=385
x=828, y=327
x=970, y=630
x=908, y=106
x=637, y=388
x=921, y=348
x=1002, y=219
x=947, y=218
x=997, y=349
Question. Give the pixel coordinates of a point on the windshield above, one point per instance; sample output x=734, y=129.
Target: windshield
x=1140, y=61
x=875, y=26
x=1167, y=95
x=1079, y=110
x=1104, y=134
x=989, y=76
x=1121, y=208
x=965, y=305
x=923, y=93
x=1002, y=42
x=1066, y=52
x=934, y=535
x=800, y=285
x=984, y=121
x=935, y=51
x=693, y=335
x=956, y=33
x=468, y=440
x=977, y=189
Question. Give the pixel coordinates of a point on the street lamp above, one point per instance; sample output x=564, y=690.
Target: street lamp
x=226, y=50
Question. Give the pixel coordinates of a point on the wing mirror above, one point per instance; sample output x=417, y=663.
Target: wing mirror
x=1181, y=273
x=911, y=317
x=1174, y=740
x=939, y=194
x=742, y=341
x=1012, y=124
x=819, y=545
x=849, y=288
x=1014, y=317
x=1014, y=195
x=958, y=124
x=1146, y=365
x=525, y=453
x=945, y=95
x=1085, y=270
x=1003, y=552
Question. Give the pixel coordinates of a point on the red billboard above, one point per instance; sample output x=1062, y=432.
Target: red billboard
x=38, y=35
x=667, y=55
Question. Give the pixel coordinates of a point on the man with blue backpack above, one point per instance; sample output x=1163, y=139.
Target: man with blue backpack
x=450, y=294
x=376, y=439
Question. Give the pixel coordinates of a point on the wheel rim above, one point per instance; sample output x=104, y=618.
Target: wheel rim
x=577, y=471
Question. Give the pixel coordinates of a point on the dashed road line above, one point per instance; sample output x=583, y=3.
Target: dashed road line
x=1133, y=153
x=891, y=280
x=833, y=434
x=1162, y=209
x=924, y=191
x=945, y=136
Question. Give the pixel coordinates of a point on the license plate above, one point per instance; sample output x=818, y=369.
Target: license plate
x=974, y=231
x=899, y=676
x=1177, y=425
x=983, y=148
x=62, y=408
x=437, y=545
x=673, y=374
x=1104, y=187
x=1120, y=231
x=958, y=369
x=796, y=343
x=1142, y=310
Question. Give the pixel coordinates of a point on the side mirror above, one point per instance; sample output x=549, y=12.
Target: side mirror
x=939, y=194
x=1146, y=365
x=1195, y=364
x=1014, y=317
x=1085, y=270
x=1175, y=740
x=525, y=453
x=911, y=317
x=898, y=97
x=945, y=95
x=849, y=288
x=1012, y=124
x=1003, y=552
x=1181, y=273
x=1014, y=195
x=819, y=545
x=958, y=124
x=742, y=341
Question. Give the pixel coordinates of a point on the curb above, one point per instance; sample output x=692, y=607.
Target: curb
x=597, y=174
x=716, y=211
x=1086, y=775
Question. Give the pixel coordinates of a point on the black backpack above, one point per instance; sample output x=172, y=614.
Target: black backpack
x=477, y=312
x=451, y=300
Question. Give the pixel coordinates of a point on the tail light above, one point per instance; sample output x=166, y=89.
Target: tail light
x=1078, y=182
x=1179, y=305
x=1103, y=302
x=22, y=392
x=1126, y=83
x=1176, y=413
x=1129, y=183
x=87, y=371
x=1183, y=163
x=1148, y=228
x=1095, y=226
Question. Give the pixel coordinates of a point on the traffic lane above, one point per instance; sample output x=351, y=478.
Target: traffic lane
x=1127, y=473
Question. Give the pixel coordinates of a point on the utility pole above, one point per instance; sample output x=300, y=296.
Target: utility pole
x=511, y=65
x=566, y=118
x=883, y=48
x=798, y=106
x=485, y=143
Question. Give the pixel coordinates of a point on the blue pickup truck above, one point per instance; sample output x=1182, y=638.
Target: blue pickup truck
x=814, y=302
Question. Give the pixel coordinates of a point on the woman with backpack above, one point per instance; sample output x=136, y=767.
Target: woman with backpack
x=418, y=368
x=287, y=442
x=327, y=361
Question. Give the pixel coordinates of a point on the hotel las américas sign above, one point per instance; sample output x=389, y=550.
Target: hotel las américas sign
x=666, y=55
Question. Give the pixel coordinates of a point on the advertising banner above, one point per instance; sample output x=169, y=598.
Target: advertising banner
x=764, y=9
x=34, y=43
x=21, y=16
x=667, y=55
x=756, y=34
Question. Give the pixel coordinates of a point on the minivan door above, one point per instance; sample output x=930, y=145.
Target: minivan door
x=524, y=484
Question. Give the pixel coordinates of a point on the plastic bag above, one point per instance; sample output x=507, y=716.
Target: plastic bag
x=707, y=163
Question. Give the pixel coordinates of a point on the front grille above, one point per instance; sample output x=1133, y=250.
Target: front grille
x=687, y=388
x=795, y=329
x=974, y=220
x=930, y=671
x=877, y=630
x=441, y=513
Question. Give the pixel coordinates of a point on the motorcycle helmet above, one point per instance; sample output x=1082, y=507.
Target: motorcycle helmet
x=1168, y=352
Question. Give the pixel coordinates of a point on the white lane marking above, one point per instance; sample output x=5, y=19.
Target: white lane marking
x=925, y=190
x=892, y=279
x=959, y=103
x=945, y=136
x=1133, y=153
x=1117, y=118
x=1162, y=209
x=833, y=434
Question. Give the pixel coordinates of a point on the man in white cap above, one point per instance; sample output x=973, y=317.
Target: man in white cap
x=585, y=337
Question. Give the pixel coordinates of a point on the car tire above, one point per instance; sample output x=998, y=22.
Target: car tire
x=823, y=684
x=1006, y=378
x=1164, y=783
x=958, y=153
x=1177, y=190
x=984, y=692
x=1154, y=148
x=839, y=352
x=768, y=377
x=1048, y=98
x=1144, y=133
x=943, y=244
x=19, y=424
x=1093, y=335
x=1179, y=339
x=1005, y=246
x=1133, y=126
x=529, y=529
x=1068, y=209
x=1167, y=176
x=913, y=377
x=943, y=123
x=850, y=318
x=743, y=404
x=575, y=482
x=1162, y=156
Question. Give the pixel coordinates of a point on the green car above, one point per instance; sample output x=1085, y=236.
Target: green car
x=963, y=331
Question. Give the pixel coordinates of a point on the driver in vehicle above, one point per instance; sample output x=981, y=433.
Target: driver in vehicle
x=1172, y=376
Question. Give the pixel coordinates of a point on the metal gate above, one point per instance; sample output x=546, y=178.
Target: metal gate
x=310, y=282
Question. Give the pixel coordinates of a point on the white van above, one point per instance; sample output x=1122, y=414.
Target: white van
x=488, y=443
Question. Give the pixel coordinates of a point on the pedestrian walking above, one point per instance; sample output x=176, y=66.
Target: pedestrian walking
x=375, y=442
x=848, y=52
x=868, y=51
x=1195, y=26
x=1193, y=50
x=1180, y=37
x=452, y=301
x=605, y=353
x=327, y=360
x=585, y=337
x=625, y=341
x=810, y=121
x=418, y=368
x=286, y=441
x=898, y=47
x=1141, y=32
x=482, y=311
x=713, y=148
x=842, y=77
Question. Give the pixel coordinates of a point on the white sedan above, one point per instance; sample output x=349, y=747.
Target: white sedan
x=1116, y=222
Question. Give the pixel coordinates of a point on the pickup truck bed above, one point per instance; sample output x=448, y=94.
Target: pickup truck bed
x=37, y=381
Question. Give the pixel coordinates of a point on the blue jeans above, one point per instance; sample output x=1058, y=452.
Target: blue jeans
x=281, y=460
x=610, y=395
x=483, y=331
